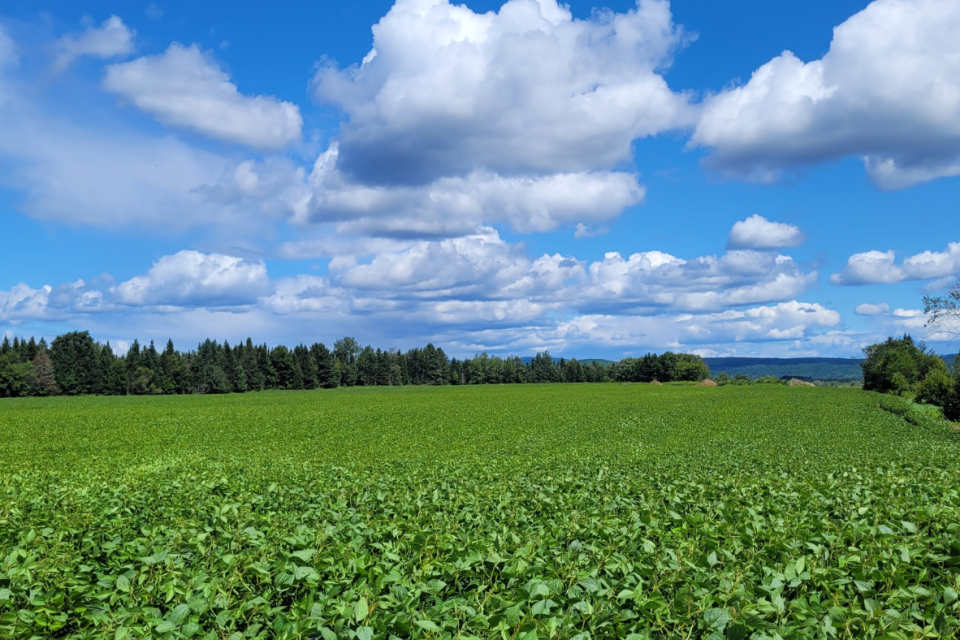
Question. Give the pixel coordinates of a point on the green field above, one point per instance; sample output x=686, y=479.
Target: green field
x=514, y=512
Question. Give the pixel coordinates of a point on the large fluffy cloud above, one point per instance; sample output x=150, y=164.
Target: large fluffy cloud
x=185, y=87
x=887, y=91
x=524, y=90
x=109, y=40
x=879, y=267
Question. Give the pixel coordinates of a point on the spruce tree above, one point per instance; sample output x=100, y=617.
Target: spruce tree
x=326, y=370
x=308, y=366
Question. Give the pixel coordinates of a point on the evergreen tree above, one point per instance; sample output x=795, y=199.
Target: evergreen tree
x=251, y=370
x=230, y=366
x=29, y=350
x=207, y=369
x=287, y=371
x=265, y=366
x=75, y=363
x=326, y=371
x=176, y=374
x=308, y=366
x=241, y=382
x=113, y=381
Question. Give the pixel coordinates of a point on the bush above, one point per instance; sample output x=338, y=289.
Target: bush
x=936, y=388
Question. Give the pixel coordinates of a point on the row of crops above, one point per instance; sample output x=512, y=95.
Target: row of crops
x=602, y=511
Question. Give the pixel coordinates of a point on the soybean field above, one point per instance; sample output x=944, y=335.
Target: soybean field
x=512, y=512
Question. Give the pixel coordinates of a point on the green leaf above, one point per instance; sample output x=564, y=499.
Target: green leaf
x=327, y=634
x=361, y=610
x=165, y=626
x=736, y=632
x=6, y=594
x=717, y=618
x=909, y=527
x=712, y=559
x=427, y=625
x=949, y=595
x=364, y=633
x=179, y=613
x=305, y=554
x=123, y=583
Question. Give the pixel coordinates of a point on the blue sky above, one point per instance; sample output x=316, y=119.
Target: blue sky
x=734, y=178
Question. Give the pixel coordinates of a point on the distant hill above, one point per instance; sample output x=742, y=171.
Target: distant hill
x=602, y=361
x=526, y=359
x=810, y=368
x=803, y=368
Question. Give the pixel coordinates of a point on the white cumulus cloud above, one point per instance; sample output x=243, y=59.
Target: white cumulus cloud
x=879, y=267
x=111, y=39
x=756, y=232
x=523, y=90
x=888, y=91
x=191, y=278
x=185, y=87
x=448, y=206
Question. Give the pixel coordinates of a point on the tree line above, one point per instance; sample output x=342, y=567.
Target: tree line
x=76, y=364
